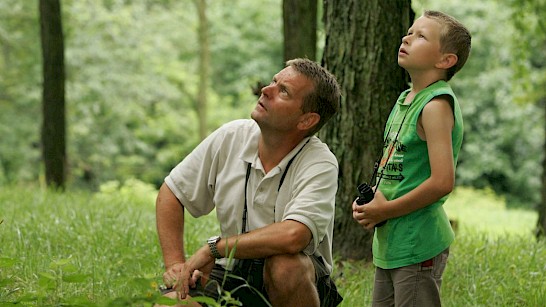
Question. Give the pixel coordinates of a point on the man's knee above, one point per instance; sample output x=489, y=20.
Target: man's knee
x=287, y=272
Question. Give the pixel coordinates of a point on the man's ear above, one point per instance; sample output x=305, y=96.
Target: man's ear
x=447, y=61
x=308, y=121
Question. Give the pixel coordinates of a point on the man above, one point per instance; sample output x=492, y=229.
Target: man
x=273, y=186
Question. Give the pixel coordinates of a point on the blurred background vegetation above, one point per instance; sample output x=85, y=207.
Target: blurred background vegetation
x=132, y=79
x=132, y=95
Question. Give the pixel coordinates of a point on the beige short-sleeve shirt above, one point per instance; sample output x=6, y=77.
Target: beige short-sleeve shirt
x=213, y=176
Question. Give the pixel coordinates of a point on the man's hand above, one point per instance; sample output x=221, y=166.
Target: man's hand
x=184, y=276
x=172, y=274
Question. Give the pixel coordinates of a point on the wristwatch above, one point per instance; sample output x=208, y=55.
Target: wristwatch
x=212, y=245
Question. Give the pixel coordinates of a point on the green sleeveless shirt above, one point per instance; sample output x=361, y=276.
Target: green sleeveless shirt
x=424, y=233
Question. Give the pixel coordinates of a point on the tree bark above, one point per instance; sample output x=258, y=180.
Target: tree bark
x=300, y=29
x=362, y=41
x=54, y=126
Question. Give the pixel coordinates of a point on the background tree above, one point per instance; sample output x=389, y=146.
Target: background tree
x=204, y=67
x=300, y=29
x=53, y=128
x=530, y=67
x=362, y=41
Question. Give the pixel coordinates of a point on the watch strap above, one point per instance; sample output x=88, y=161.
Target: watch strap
x=213, y=248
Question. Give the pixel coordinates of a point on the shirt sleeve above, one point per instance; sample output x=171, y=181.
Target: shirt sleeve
x=192, y=180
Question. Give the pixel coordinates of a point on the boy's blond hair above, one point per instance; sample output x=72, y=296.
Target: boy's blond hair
x=454, y=38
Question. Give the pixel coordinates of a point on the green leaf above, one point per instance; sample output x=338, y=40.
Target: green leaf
x=6, y=262
x=70, y=268
x=204, y=299
x=47, y=275
x=6, y=281
x=163, y=300
x=59, y=263
x=76, y=278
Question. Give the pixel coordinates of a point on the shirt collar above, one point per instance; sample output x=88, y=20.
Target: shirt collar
x=249, y=154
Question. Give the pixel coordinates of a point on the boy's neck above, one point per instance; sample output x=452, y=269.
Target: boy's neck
x=421, y=80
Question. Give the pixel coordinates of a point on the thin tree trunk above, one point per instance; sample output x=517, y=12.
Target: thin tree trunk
x=54, y=126
x=541, y=223
x=204, y=65
x=300, y=29
x=362, y=41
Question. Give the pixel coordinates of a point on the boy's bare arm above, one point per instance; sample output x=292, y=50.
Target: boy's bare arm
x=437, y=121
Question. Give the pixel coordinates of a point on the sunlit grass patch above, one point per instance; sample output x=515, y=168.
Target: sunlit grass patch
x=483, y=211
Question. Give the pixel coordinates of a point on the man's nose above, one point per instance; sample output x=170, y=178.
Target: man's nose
x=266, y=90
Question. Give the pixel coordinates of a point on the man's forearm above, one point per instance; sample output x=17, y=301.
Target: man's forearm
x=287, y=237
x=170, y=226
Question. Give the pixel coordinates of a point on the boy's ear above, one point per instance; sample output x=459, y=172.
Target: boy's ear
x=447, y=61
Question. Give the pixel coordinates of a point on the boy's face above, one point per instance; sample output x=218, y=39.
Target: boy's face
x=420, y=48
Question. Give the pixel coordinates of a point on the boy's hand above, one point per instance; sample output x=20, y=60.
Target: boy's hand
x=370, y=214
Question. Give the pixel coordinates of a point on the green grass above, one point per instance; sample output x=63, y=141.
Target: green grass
x=83, y=249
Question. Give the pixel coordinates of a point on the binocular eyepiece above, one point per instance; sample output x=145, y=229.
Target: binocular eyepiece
x=365, y=194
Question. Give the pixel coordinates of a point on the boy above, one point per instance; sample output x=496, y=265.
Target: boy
x=416, y=172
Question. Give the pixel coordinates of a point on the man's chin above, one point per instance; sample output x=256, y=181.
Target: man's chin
x=255, y=115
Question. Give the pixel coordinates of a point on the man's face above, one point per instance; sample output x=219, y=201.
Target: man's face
x=279, y=106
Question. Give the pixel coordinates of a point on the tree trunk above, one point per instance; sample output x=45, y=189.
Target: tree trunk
x=541, y=223
x=53, y=127
x=300, y=29
x=362, y=41
x=204, y=64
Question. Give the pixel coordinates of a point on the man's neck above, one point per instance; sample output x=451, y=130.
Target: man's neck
x=271, y=150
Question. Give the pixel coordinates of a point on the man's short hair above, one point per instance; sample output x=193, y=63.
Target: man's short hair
x=325, y=99
x=454, y=38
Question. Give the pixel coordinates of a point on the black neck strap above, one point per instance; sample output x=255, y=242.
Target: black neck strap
x=374, y=181
x=245, y=209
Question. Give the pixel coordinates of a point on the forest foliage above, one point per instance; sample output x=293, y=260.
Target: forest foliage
x=132, y=81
